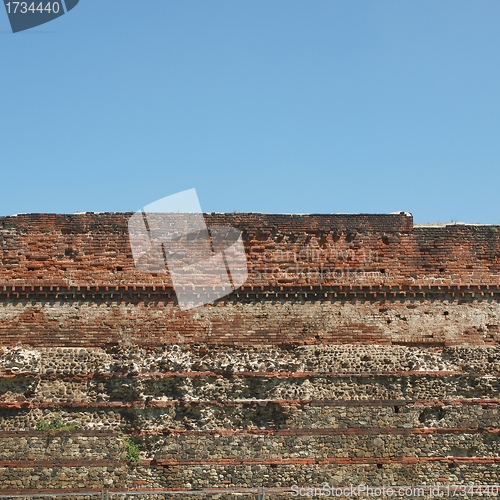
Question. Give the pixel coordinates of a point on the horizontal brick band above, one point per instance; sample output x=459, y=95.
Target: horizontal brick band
x=330, y=460
x=164, y=293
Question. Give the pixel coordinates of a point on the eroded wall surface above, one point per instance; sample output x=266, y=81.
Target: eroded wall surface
x=361, y=350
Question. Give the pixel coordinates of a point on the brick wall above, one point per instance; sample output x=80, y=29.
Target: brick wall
x=361, y=350
x=289, y=250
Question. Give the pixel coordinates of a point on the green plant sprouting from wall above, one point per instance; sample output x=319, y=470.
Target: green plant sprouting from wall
x=133, y=450
x=55, y=425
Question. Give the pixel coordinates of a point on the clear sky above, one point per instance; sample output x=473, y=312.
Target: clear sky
x=285, y=106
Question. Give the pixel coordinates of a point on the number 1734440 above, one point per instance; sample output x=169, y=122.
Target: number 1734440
x=33, y=7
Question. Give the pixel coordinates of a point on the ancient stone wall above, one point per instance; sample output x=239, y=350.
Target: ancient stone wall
x=361, y=350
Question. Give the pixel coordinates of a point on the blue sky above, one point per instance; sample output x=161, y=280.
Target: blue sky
x=277, y=106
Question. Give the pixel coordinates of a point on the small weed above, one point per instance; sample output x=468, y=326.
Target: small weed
x=42, y=425
x=494, y=229
x=133, y=450
x=55, y=426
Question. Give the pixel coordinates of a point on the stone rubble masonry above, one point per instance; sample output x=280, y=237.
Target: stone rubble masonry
x=361, y=350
